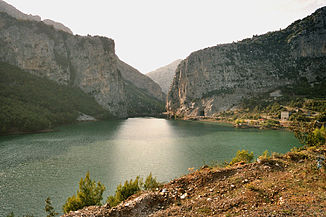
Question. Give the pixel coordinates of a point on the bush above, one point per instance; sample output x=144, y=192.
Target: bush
x=125, y=191
x=89, y=194
x=49, y=208
x=151, y=182
x=265, y=155
x=244, y=156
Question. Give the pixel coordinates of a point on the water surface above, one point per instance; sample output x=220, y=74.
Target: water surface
x=35, y=166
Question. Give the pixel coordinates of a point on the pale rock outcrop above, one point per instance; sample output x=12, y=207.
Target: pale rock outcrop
x=87, y=62
x=218, y=78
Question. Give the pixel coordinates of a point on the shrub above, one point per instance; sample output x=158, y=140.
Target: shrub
x=243, y=155
x=151, y=182
x=124, y=191
x=89, y=193
x=49, y=208
x=265, y=155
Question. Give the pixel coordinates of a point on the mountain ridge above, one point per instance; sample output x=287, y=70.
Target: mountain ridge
x=164, y=75
x=86, y=62
x=12, y=11
x=216, y=79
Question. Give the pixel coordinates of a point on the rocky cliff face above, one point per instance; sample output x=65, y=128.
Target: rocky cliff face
x=218, y=78
x=12, y=11
x=87, y=62
x=164, y=75
x=47, y=49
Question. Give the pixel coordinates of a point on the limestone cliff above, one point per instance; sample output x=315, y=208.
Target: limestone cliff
x=87, y=62
x=218, y=78
x=12, y=11
x=164, y=75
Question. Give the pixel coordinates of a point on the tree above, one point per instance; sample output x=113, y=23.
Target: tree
x=151, y=182
x=90, y=193
x=243, y=155
x=124, y=191
x=49, y=208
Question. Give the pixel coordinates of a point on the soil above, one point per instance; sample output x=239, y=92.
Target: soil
x=282, y=185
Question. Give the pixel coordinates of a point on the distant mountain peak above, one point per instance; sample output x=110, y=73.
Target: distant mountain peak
x=164, y=75
x=12, y=11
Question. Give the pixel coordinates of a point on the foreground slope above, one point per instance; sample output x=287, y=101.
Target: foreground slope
x=164, y=75
x=219, y=78
x=281, y=185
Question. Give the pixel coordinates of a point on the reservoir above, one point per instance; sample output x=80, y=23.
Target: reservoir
x=36, y=166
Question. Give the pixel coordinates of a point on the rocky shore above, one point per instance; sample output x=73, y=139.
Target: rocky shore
x=282, y=185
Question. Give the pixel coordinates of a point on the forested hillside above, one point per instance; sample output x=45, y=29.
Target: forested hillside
x=31, y=103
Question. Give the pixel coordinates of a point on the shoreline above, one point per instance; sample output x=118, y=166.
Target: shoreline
x=27, y=132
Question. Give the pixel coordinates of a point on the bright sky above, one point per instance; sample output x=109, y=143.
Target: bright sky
x=152, y=33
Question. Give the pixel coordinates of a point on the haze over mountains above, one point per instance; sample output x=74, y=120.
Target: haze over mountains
x=164, y=75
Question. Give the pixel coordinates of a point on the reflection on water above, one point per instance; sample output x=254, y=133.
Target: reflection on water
x=33, y=167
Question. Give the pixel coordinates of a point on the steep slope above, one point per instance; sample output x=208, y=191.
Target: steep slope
x=12, y=11
x=218, y=78
x=140, y=80
x=29, y=103
x=88, y=62
x=164, y=75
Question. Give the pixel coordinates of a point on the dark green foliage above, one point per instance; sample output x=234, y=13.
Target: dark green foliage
x=49, y=208
x=308, y=134
x=30, y=103
x=151, y=182
x=89, y=194
x=124, y=191
x=141, y=103
x=244, y=156
x=271, y=123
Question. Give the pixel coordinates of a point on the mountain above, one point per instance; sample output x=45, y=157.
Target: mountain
x=31, y=103
x=218, y=78
x=164, y=75
x=140, y=80
x=86, y=62
x=12, y=11
x=143, y=96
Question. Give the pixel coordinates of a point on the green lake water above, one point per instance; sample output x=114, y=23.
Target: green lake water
x=35, y=166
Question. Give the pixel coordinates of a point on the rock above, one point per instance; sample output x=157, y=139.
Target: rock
x=86, y=62
x=84, y=117
x=218, y=78
x=184, y=196
x=12, y=11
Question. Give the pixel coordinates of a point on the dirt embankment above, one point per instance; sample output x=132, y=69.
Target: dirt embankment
x=293, y=184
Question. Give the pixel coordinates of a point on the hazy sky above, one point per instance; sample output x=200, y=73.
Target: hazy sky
x=152, y=33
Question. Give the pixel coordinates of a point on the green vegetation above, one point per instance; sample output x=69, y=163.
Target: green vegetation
x=31, y=103
x=89, y=193
x=141, y=103
x=49, y=208
x=309, y=135
x=242, y=156
x=151, y=183
x=124, y=191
